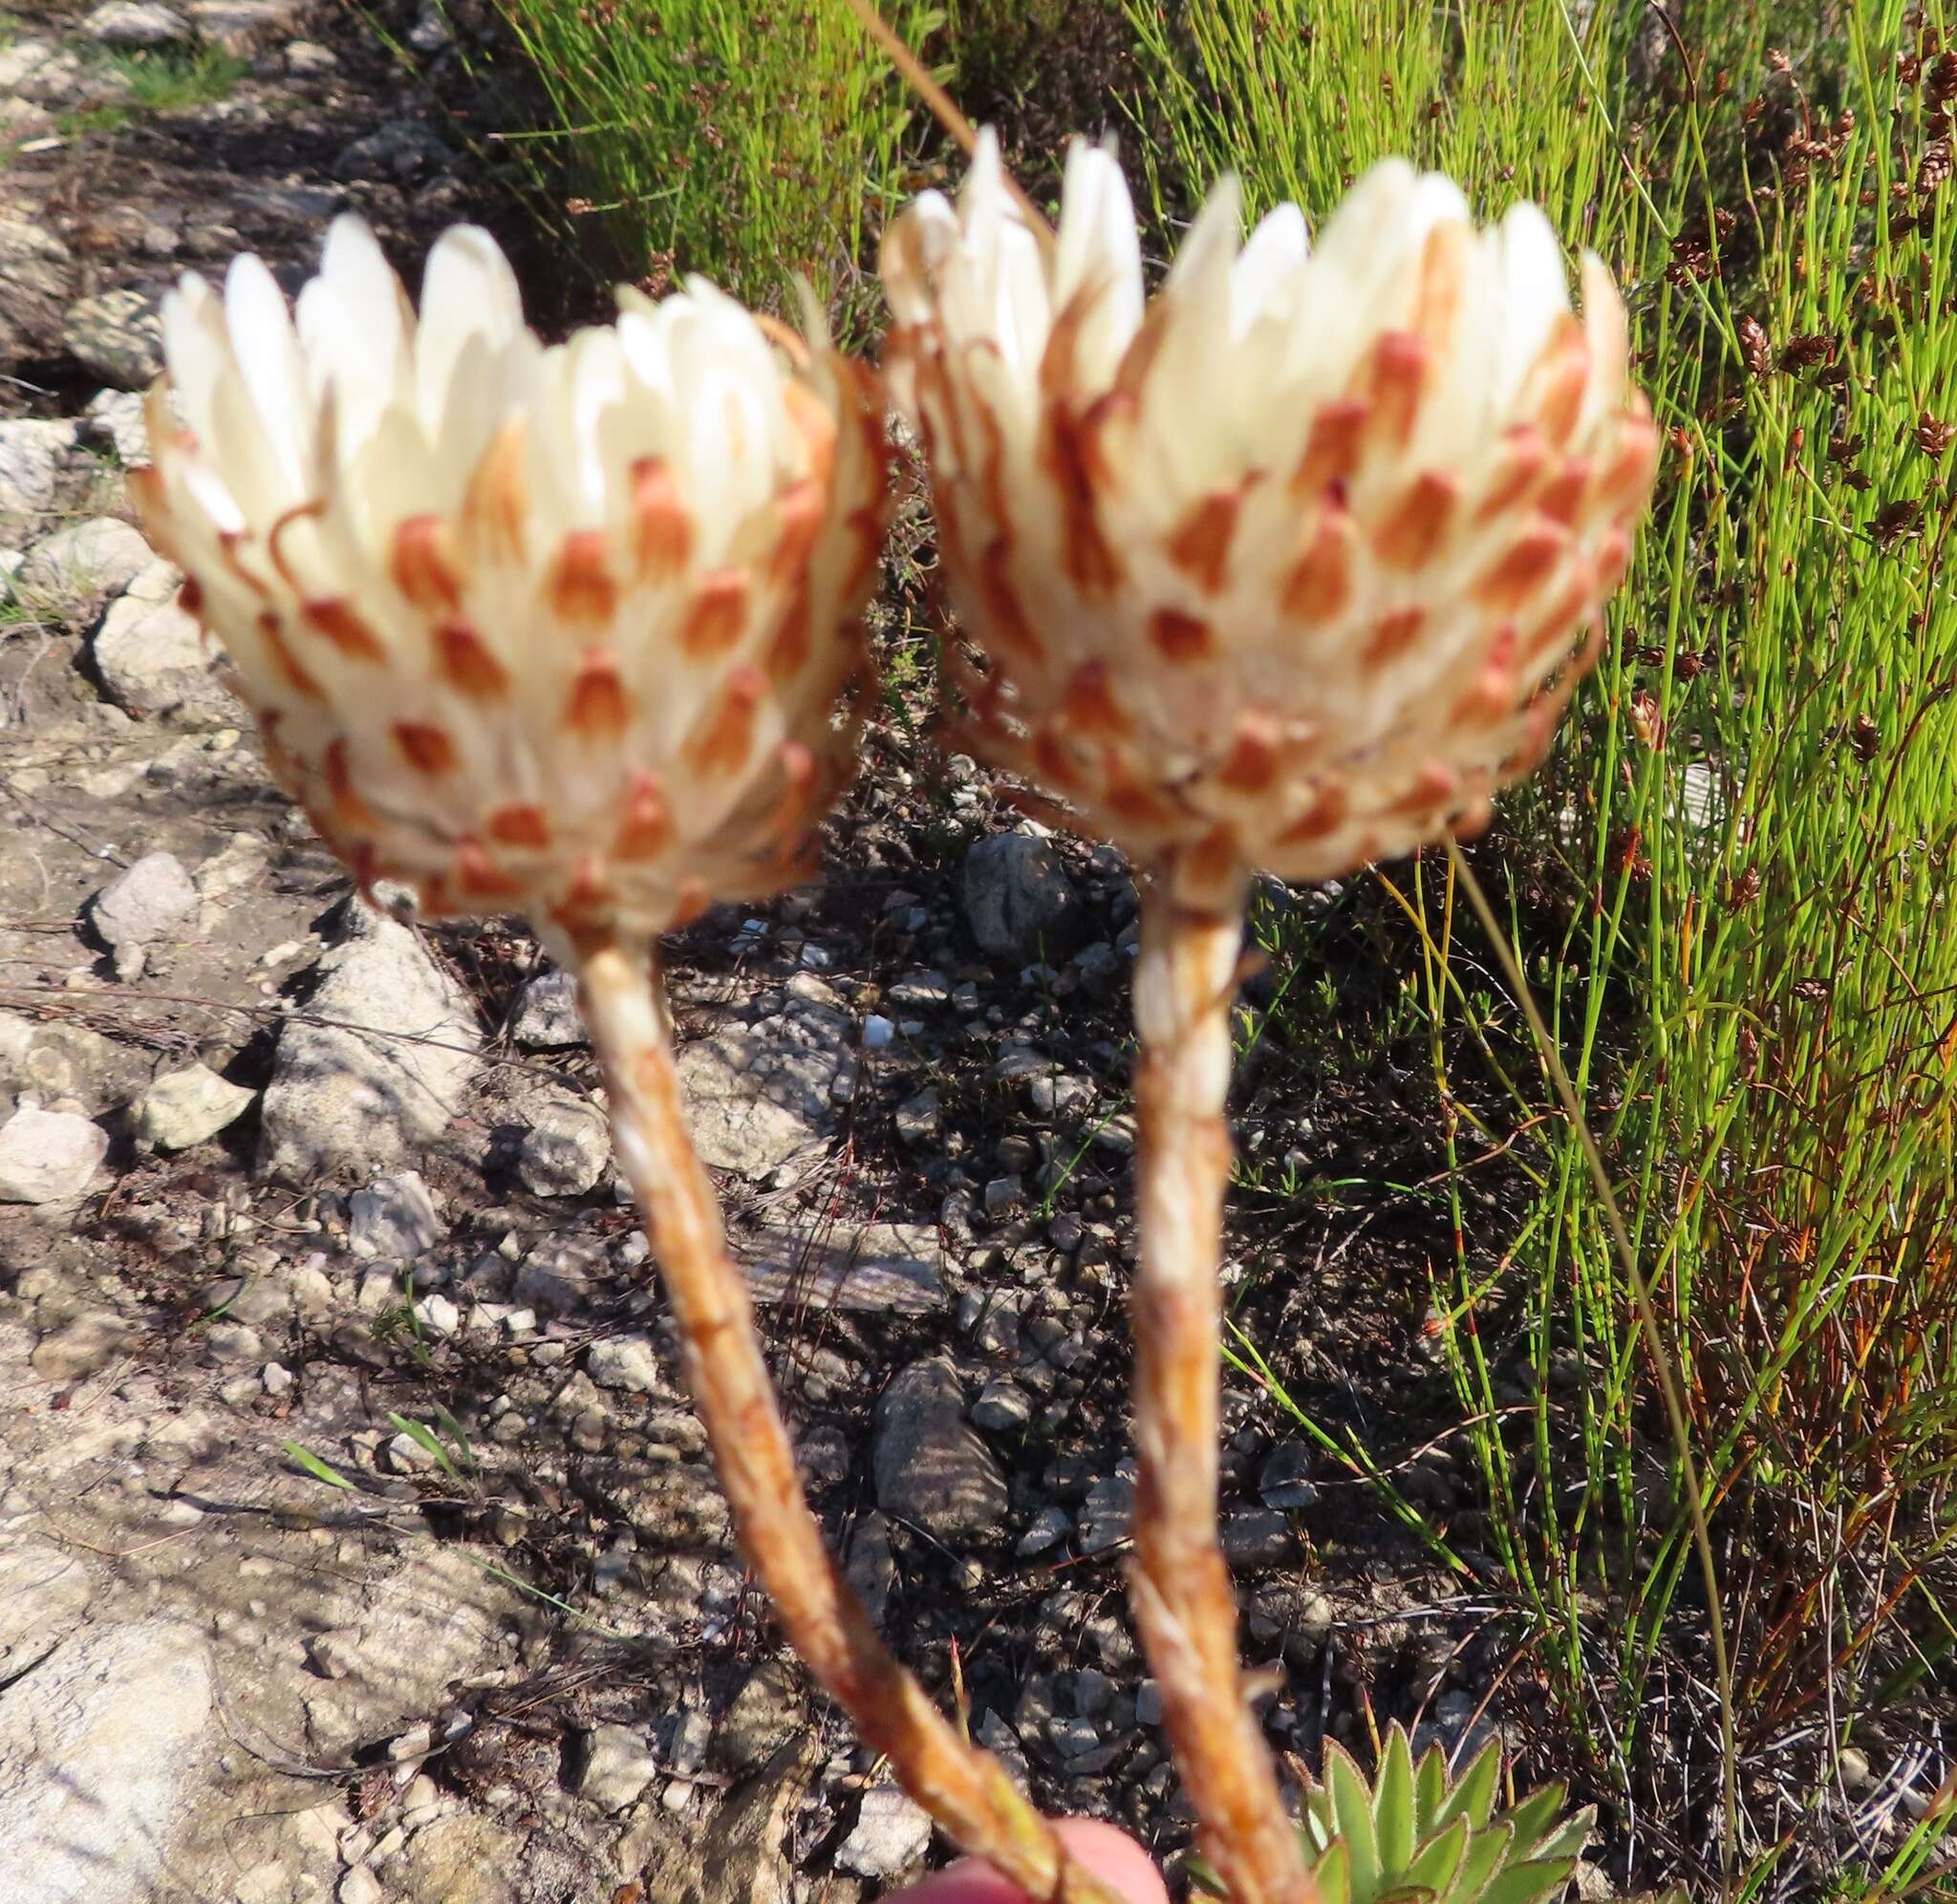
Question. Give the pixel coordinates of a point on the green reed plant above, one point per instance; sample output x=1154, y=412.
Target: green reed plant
x=1729, y=892
x=741, y=141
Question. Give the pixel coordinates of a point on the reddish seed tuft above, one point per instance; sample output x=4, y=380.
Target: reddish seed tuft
x=1528, y=563
x=646, y=827
x=1200, y=545
x=1393, y=634
x=1251, y=766
x=467, y=664
x=723, y=744
x=581, y=587
x=341, y=624
x=1320, y=586
x=599, y=707
x=1415, y=525
x=422, y=571
x=1180, y=637
x=521, y=825
x=1332, y=452
x=662, y=529
x=717, y=616
x=427, y=748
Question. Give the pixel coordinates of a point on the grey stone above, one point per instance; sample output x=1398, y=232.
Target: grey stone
x=888, y=1268
x=378, y=1065
x=1044, y=1531
x=917, y=991
x=117, y=335
x=1148, y=1702
x=63, y=1061
x=1019, y=899
x=144, y=903
x=32, y=455
x=1002, y=1406
x=1284, y=1481
x=117, y=418
x=137, y=24
x=81, y=1346
x=394, y=1217
x=1457, y=1727
x=930, y=1468
x=917, y=1118
x=761, y=1097
x=407, y=1455
x=37, y=269
x=890, y=1834
x=189, y=1107
x=83, y=562
x=1108, y=1512
x=308, y=59
x=871, y=1567
x=101, y=1763
x=568, y=1148
x=152, y=654
x=764, y=1715
x=616, y=1768
x=547, y=1012
x=403, y=151
x=243, y=26
x=48, y=1157
x=627, y=1363
x=1255, y=1537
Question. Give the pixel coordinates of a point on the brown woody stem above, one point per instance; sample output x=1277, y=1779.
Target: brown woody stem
x=1184, y=982
x=965, y=1789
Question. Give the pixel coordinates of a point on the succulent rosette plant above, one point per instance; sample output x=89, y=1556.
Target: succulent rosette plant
x=1293, y=566
x=572, y=631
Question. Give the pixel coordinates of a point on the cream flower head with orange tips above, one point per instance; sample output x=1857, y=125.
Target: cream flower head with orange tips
x=1295, y=564
x=555, y=629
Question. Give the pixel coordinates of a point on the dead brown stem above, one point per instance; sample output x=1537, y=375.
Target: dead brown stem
x=965, y=1789
x=1184, y=982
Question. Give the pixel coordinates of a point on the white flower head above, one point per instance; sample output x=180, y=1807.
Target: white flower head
x=1294, y=564
x=560, y=628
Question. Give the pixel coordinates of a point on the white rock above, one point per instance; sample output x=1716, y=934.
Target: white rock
x=625, y=1362
x=566, y=1151
x=892, y=1832
x=395, y=1217
x=83, y=561
x=760, y=1098
x=115, y=416
x=137, y=23
x=48, y=1157
x=189, y=1107
x=617, y=1767
x=31, y=453
x=118, y=335
x=144, y=903
x=152, y=656
x=81, y=1346
x=546, y=1012
x=930, y=1468
x=384, y=1070
x=101, y=1762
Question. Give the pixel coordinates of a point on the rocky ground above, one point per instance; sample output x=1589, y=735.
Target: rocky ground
x=356, y=1539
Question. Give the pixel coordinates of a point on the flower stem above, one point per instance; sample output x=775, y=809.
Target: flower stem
x=966, y=1790
x=1185, y=979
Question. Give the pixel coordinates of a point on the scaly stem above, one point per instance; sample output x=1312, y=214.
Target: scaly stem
x=1184, y=1606
x=965, y=1789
